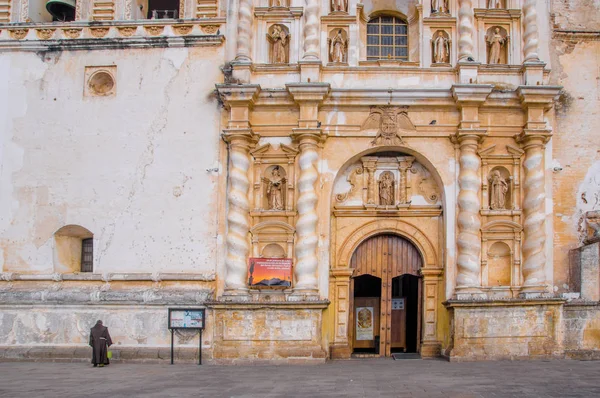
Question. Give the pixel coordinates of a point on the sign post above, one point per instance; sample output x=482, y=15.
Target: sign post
x=187, y=319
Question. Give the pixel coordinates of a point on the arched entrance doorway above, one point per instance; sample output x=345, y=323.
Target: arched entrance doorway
x=386, y=292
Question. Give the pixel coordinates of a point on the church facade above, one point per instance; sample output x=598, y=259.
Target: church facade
x=326, y=179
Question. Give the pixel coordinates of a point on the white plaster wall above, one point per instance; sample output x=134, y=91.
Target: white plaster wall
x=129, y=168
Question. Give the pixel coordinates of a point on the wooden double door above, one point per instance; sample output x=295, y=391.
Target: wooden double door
x=386, y=292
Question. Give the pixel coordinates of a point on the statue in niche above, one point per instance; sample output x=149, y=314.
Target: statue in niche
x=498, y=190
x=496, y=43
x=386, y=189
x=494, y=4
x=439, y=6
x=275, y=190
x=441, y=48
x=339, y=5
x=278, y=3
x=337, y=48
x=279, y=39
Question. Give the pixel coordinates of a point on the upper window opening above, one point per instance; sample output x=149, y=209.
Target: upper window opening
x=87, y=255
x=387, y=38
x=158, y=9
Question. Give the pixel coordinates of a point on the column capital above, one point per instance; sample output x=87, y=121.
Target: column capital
x=532, y=138
x=238, y=94
x=244, y=137
x=308, y=136
x=308, y=92
x=538, y=96
x=468, y=136
x=471, y=94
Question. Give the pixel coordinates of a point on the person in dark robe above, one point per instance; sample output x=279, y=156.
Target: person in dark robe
x=100, y=341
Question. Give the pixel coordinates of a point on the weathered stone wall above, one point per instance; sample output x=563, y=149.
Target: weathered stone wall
x=129, y=167
x=582, y=330
x=576, y=161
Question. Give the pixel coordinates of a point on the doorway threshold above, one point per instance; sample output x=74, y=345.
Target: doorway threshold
x=406, y=355
x=365, y=355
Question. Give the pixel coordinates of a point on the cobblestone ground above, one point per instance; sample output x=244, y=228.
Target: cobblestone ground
x=355, y=378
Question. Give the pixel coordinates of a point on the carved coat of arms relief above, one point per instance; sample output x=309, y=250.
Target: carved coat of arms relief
x=391, y=122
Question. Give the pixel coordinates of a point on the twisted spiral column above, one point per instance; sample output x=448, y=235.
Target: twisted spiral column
x=465, y=29
x=469, y=243
x=238, y=224
x=244, y=32
x=311, y=30
x=534, y=257
x=306, y=227
x=530, y=35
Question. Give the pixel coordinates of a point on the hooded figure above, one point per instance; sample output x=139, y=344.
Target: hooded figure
x=100, y=341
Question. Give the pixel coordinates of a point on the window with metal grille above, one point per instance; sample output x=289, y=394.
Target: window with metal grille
x=87, y=255
x=387, y=38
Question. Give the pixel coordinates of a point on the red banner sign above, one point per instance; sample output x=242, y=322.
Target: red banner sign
x=269, y=272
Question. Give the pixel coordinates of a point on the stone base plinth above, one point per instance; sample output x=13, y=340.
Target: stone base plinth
x=340, y=351
x=505, y=329
x=273, y=332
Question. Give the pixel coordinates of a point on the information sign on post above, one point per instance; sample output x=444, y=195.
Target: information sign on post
x=190, y=319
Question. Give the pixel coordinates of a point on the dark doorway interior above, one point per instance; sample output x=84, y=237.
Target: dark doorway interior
x=367, y=293
x=407, y=286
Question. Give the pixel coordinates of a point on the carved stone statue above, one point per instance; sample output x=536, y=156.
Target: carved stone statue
x=441, y=49
x=275, y=190
x=494, y=4
x=439, y=6
x=496, y=43
x=593, y=222
x=278, y=3
x=498, y=190
x=279, y=44
x=386, y=189
x=339, y=5
x=337, y=48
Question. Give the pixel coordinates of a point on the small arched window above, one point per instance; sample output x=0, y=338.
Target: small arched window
x=387, y=38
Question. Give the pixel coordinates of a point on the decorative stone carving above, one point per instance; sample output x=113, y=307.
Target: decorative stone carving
x=244, y=31
x=390, y=121
x=386, y=189
x=592, y=219
x=530, y=35
x=494, y=4
x=209, y=29
x=279, y=3
x=338, y=46
x=101, y=83
x=465, y=30
x=312, y=26
x=440, y=47
x=440, y=6
x=72, y=33
x=182, y=30
x=468, y=241
x=18, y=34
x=154, y=30
x=499, y=188
x=497, y=40
x=127, y=31
x=342, y=197
x=275, y=185
x=99, y=32
x=45, y=34
x=279, y=38
x=425, y=184
x=339, y=6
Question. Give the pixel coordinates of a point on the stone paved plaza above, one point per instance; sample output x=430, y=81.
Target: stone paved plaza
x=354, y=378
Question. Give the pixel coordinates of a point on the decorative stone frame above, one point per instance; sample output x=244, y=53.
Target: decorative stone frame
x=264, y=158
x=340, y=273
x=272, y=232
x=107, y=72
x=269, y=16
x=508, y=232
x=511, y=161
x=508, y=19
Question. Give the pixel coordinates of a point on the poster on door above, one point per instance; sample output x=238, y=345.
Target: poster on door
x=364, y=323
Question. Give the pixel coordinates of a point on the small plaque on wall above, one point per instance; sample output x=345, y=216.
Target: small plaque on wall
x=269, y=272
x=398, y=304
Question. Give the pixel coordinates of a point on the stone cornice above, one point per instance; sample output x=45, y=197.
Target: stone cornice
x=308, y=92
x=503, y=302
x=259, y=305
x=107, y=277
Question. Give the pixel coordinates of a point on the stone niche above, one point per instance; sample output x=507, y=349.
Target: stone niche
x=274, y=331
x=386, y=182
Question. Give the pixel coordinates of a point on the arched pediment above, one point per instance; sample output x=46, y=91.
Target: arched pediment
x=269, y=226
x=501, y=226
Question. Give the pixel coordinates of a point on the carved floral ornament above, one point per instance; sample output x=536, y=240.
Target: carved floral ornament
x=127, y=30
x=390, y=122
x=72, y=33
x=18, y=34
x=45, y=34
x=99, y=32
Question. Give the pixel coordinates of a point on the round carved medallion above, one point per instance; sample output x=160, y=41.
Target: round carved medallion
x=101, y=83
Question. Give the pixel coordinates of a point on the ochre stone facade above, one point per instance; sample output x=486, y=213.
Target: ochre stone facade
x=174, y=149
